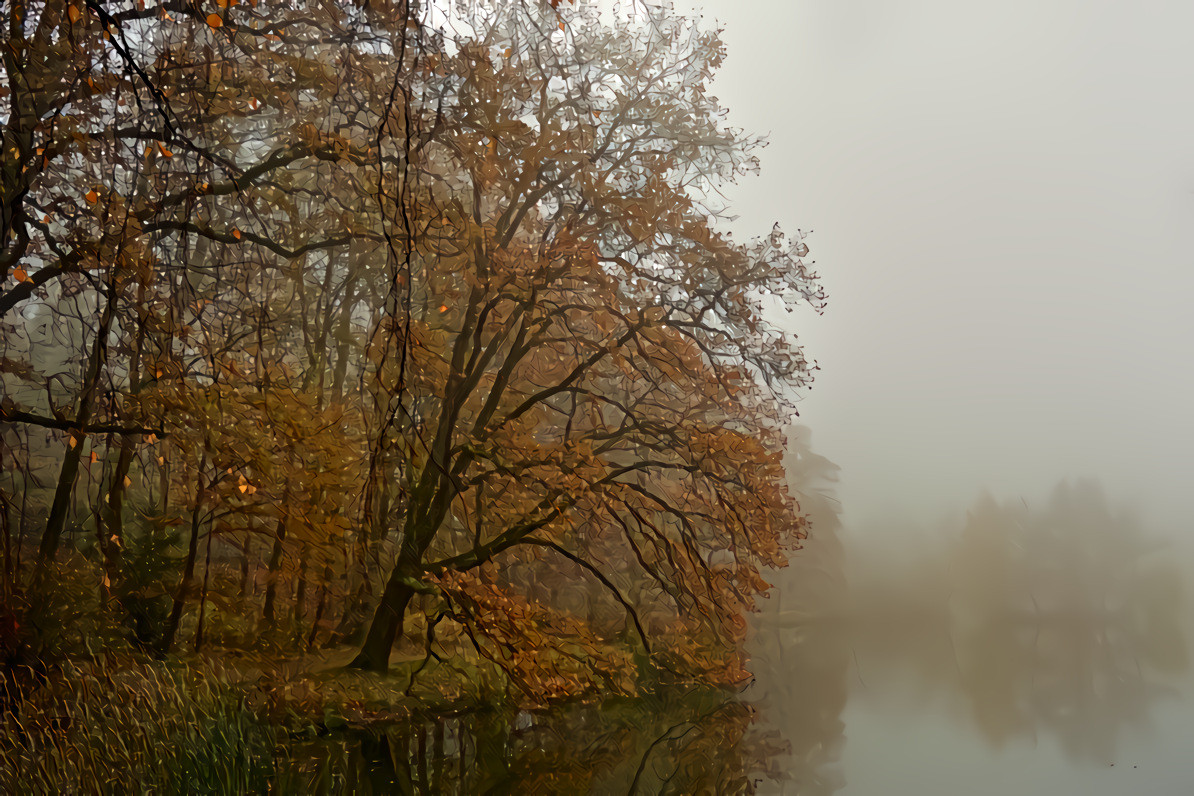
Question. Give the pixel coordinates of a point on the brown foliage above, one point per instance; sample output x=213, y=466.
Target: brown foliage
x=368, y=299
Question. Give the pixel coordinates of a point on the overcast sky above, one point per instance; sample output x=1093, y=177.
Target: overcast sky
x=1002, y=195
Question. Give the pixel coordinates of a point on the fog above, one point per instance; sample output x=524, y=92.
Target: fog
x=1016, y=647
x=434, y=421
x=999, y=195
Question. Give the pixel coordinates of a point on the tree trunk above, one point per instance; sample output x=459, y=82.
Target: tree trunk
x=244, y=569
x=387, y=623
x=300, y=597
x=320, y=606
x=113, y=543
x=275, y=560
x=5, y=525
x=203, y=597
x=64, y=491
x=344, y=341
x=188, y=572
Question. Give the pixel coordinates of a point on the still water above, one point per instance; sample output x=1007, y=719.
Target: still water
x=1023, y=650
x=1054, y=712
x=1029, y=649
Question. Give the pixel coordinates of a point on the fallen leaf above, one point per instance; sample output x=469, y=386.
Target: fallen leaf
x=20, y=274
x=215, y=21
x=91, y=196
x=74, y=13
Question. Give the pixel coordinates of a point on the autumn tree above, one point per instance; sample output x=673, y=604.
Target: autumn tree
x=352, y=303
x=576, y=369
x=175, y=188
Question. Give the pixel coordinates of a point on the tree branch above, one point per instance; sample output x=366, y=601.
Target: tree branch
x=62, y=424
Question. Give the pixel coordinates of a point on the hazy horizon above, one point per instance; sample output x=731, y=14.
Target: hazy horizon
x=998, y=197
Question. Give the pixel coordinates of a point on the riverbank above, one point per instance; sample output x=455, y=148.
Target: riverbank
x=245, y=724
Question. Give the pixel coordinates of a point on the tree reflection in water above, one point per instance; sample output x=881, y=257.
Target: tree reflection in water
x=1065, y=620
x=800, y=647
x=676, y=744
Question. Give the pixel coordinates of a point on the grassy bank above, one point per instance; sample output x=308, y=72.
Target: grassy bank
x=121, y=725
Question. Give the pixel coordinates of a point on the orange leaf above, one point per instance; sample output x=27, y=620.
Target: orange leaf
x=443, y=307
x=165, y=152
x=94, y=457
x=214, y=20
x=236, y=233
x=91, y=196
x=74, y=13
x=20, y=274
x=127, y=482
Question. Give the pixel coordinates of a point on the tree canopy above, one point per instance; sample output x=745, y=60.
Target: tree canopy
x=392, y=317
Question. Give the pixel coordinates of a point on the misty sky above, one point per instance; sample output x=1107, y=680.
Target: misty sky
x=1001, y=195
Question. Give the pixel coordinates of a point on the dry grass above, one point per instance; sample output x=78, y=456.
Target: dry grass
x=138, y=727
